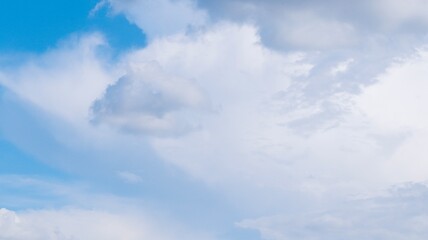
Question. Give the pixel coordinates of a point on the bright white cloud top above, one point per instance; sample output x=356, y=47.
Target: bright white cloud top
x=238, y=119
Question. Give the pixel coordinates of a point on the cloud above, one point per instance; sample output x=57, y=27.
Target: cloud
x=278, y=136
x=63, y=81
x=161, y=17
x=81, y=209
x=399, y=14
x=265, y=130
x=327, y=25
x=307, y=30
x=150, y=101
x=57, y=133
x=393, y=104
x=400, y=213
x=74, y=224
x=394, y=100
x=285, y=26
x=341, y=67
x=248, y=140
x=220, y=106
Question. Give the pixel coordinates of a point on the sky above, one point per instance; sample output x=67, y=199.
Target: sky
x=213, y=120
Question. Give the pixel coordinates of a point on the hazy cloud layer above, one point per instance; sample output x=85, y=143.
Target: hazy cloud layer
x=78, y=224
x=400, y=213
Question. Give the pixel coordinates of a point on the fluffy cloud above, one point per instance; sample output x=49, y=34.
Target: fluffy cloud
x=149, y=101
x=394, y=100
x=64, y=81
x=271, y=130
x=327, y=25
x=393, y=104
x=248, y=112
x=265, y=134
x=283, y=25
x=278, y=136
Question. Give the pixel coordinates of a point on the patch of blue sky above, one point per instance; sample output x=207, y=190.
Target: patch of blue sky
x=120, y=33
x=35, y=26
x=20, y=172
x=15, y=161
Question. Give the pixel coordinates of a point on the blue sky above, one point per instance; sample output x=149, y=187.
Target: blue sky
x=35, y=26
x=214, y=120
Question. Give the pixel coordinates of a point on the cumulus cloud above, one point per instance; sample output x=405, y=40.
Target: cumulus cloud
x=327, y=25
x=270, y=131
x=249, y=116
x=250, y=139
x=393, y=104
x=394, y=100
x=281, y=138
x=55, y=133
x=288, y=25
x=147, y=100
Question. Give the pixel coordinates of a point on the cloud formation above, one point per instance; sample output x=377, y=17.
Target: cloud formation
x=287, y=108
x=149, y=101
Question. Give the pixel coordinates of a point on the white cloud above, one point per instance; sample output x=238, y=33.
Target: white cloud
x=307, y=30
x=282, y=25
x=225, y=60
x=331, y=25
x=396, y=13
x=288, y=25
x=261, y=132
x=394, y=104
x=270, y=137
x=261, y=129
x=149, y=101
x=159, y=18
x=341, y=67
x=394, y=101
x=399, y=214
x=75, y=224
x=60, y=210
x=248, y=141
x=63, y=81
